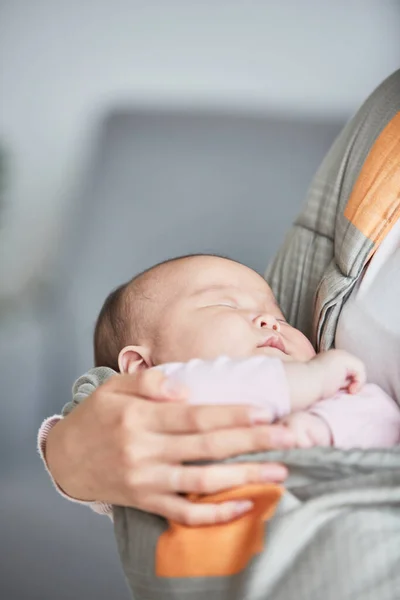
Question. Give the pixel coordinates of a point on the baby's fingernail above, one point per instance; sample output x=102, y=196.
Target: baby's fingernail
x=259, y=416
x=173, y=389
x=280, y=437
x=243, y=506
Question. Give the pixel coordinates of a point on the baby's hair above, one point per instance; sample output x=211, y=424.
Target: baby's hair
x=109, y=331
x=122, y=319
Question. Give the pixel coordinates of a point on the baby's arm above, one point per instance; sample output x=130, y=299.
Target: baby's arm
x=369, y=419
x=259, y=381
x=267, y=382
x=323, y=377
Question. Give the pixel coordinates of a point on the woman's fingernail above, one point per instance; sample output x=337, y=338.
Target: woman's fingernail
x=243, y=506
x=281, y=438
x=259, y=416
x=272, y=473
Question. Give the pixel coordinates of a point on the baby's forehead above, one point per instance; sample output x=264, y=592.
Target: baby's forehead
x=225, y=274
x=222, y=289
x=195, y=276
x=234, y=282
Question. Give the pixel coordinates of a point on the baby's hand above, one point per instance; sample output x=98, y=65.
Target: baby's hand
x=309, y=430
x=338, y=370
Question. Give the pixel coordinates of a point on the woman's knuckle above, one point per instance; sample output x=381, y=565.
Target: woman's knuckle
x=133, y=455
x=123, y=423
x=150, y=381
x=188, y=516
x=177, y=480
x=132, y=481
x=242, y=416
x=252, y=474
x=202, y=483
x=128, y=479
x=134, y=416
x=155, y=376
x=209, y=446
x=166, y=448
x=140, y=378
x=181, y=515
x=224, y=512
x=126, y=456
x=124, y=418
x=192, y=418
x=256, y=439
x=240, y=475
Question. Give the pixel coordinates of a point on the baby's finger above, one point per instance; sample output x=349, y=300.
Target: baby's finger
x=355, y=386
x=357, y=376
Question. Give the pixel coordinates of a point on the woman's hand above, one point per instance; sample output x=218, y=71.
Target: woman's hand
x=119, y=448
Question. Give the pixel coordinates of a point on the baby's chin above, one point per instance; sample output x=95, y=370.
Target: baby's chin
x=275, y=352
x=284, y=357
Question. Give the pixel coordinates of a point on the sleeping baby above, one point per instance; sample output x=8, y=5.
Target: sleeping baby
x=213, y=326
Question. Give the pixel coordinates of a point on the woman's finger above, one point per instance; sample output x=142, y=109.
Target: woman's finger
x=150, y=384
x=183, y=418
x=218, y=445
x=188, y=513
x=208, y=479
x=216, y=478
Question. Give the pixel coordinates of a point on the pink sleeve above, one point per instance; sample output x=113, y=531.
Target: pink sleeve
x=258, y=381
x=369, y=419
x=98, y=507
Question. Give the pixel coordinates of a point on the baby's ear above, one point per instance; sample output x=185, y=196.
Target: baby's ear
x=133, y=358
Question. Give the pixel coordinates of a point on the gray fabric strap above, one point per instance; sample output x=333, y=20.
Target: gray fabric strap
x=323, y=254
x=336, y=535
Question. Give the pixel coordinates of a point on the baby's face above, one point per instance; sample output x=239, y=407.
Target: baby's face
x=215, y=307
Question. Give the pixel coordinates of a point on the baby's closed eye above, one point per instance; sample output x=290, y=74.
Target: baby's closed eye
x=228, y=304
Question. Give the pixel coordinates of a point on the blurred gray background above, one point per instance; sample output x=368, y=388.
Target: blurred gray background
x=133, y=132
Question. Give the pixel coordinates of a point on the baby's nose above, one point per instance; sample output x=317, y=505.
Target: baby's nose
x=267, y=321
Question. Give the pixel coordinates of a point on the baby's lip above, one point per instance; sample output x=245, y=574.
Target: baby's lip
x=274, y=341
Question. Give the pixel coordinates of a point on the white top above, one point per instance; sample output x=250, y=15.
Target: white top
x=369, y=324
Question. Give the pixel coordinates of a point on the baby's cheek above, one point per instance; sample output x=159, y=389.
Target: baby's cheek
x=305, y=348
x=216, y=343
x=222, y=337
x=233, y=338
x=299, y=347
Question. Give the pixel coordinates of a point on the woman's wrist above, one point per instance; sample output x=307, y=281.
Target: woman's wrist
x=55, y=456
x=47, y=426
